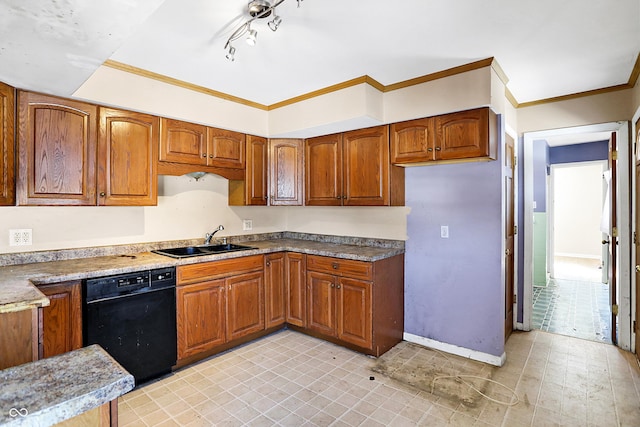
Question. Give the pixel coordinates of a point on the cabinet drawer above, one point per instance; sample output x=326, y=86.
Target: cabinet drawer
x=216, y=269
x=340, y=267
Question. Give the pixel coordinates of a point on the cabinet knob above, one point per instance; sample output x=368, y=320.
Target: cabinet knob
x=204, y=155
x=268, y=263
x=335, y=266
x=344, y=197
x=339, y=197
x=438, y=149
x=102, y=194
x=211, y=156
x=266, y=197
x=333, y=286
x=338, y=286
x=429, y=149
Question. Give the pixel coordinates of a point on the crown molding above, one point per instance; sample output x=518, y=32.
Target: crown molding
x=181, y=83
x=633, y=78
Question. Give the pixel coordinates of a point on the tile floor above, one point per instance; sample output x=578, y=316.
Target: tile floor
x=574, y=303
x=290, y=379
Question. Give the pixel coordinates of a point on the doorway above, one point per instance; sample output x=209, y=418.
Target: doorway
x=574, y=299
x=623, y=245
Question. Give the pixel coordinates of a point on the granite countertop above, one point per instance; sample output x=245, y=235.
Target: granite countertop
x=17, y=290
x=49, y=391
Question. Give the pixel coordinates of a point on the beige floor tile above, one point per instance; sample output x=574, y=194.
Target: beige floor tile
x=292, y=379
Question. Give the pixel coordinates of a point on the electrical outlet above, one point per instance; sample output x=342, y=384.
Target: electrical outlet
x=20, y=237
x=247, y=224
x=444, y=231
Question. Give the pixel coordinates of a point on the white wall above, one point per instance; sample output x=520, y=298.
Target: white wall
x=577, y=210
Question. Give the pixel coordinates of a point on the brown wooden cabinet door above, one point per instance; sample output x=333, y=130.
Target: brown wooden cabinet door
x=274, y=284
x=323, y=171
x=62, y=319
x=296, y=298
x=366, y=167
x=462, y=135
x=127, y=152
x=19, y=337
x=321, y=309
x=355, y=317
x=182, y=142
x=412, y=141
x=285, y=172
x=256, y=171
x=201, y=317
x=245, y=304
x=225, y=148
x=7, y=146
x=56, y=151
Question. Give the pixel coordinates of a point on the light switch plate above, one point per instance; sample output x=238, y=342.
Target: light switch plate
x=247, y=224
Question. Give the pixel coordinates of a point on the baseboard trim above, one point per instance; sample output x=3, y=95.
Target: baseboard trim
x=458, y=351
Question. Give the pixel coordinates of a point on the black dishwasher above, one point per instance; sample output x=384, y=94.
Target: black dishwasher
x=133, y=317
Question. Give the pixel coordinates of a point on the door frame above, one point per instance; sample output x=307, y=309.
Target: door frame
x=624, y=232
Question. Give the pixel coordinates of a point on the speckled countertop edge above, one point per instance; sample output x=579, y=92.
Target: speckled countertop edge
x=58, y=388
x=17, y=290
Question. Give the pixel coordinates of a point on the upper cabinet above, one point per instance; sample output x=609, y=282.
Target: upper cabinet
x=57, y=141
x=7, y=145
x=189, y=147
x=251, y=190
x=466, y=135
x=352, y=169
x=225, y=148
x=64, y=160
x=183, y=142
x=286, y=172
x=127, y=149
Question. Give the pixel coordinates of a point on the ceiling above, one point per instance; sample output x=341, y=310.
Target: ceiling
x=547, y=48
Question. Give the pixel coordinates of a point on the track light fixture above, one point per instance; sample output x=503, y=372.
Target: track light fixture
x=257, y=9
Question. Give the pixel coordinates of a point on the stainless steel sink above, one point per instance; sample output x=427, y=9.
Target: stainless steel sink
x=189, y=251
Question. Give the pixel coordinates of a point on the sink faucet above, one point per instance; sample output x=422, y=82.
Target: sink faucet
x=209, y=236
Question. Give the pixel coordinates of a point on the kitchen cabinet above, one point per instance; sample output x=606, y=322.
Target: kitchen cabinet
x=462, y=136
x=286, y=172
x=274, y=285
x=7, y=146
x=127, y=149
x=296, y=295
x=19, y=337
x=57, y=140
x=218, y=302
x=356, y=303
x=252, y=190
x=352, y=169
x=188, y=147
x=183, y=142
x=61, y=321
x=64, y=160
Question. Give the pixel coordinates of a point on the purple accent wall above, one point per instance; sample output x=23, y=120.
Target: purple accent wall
x=574, y=153
x=453, y=287
x=540, y=167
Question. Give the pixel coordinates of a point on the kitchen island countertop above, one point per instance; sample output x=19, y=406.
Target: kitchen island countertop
x=48, y=391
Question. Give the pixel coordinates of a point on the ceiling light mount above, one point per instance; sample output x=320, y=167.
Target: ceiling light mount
x=256, y=9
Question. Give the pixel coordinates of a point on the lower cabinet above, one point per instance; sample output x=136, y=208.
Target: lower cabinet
x=218, y=302
x=274, y=285
x=61, y=321
x=356, y=303
x=296, y=289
